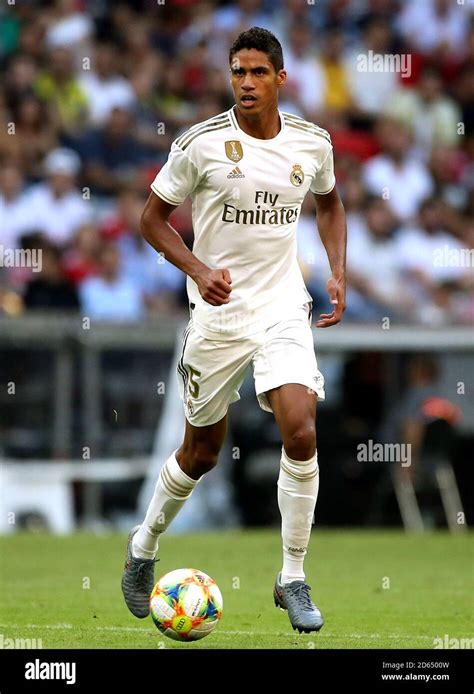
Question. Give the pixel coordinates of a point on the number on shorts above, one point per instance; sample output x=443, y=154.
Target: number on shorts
x=193, y=384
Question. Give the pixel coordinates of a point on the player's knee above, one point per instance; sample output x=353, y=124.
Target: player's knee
x=203, y=461
x=300, y=444
x=199, y=460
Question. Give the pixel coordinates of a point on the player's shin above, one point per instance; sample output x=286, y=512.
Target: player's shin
x=298, y=486
x=172, y=489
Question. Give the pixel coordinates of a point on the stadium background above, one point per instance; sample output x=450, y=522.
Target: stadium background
x=92, y=95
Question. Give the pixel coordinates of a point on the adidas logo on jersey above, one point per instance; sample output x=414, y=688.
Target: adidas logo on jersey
x=236, y=173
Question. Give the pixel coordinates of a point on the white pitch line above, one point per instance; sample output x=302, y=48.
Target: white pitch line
x=60, y=627
x=225, y=632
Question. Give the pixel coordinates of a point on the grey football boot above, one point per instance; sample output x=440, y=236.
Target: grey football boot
x=138, y=580
x=294, y=597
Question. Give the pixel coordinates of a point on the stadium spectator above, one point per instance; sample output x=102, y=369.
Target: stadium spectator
x=351, y=145
x=434, y=26
x=240, y=15
x=151, y=129
x=110, y=296
x=427, y=256
x=114, y=23
x=395, y=174
x=337, y=93
x=159, y=281
x=343, y=14
x=426, y=419
x=378, y=9
x=81, y=260
x=464, y=92
x=50, y=289
x=67, y=27
x=294, y=12
x=139, y=56
x=175, y=107
x=306, y=85
x=370, y=88
x=431, y=116
x=447, y=166
x=31, y=38
x=59, y=87
x=355, y=204
x=31, y=135
x=16, y=214
x=375, y=285
x=112, y=155
x=312, y=258
x=201, y=28
x=59, y=208
x=104, y=87
x=20, y=78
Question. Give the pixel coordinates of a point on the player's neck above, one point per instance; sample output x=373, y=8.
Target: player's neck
x=264, y=127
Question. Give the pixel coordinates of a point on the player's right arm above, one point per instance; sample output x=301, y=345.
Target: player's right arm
x=214, y=285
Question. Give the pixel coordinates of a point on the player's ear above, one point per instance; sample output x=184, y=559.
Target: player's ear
x=281, y=78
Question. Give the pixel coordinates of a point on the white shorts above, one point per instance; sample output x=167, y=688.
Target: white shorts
x=210, y=373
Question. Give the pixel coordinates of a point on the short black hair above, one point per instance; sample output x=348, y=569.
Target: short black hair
x=262, y=40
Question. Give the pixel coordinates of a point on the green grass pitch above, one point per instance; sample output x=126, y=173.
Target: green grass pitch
x=376, y=589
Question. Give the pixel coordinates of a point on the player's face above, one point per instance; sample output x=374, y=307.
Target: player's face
x=255, y=82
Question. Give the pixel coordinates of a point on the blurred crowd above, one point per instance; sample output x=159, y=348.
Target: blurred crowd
x=93, y=92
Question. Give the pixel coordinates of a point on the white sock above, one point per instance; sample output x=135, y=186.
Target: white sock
x=172, y=489
x=298, y=485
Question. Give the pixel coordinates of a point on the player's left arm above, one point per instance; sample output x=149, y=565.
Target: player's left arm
x=331, y=222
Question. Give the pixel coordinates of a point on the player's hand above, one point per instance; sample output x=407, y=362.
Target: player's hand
x=215, y=286
x=337, y=296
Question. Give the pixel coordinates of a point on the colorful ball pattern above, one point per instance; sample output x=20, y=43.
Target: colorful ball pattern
x=186, y=604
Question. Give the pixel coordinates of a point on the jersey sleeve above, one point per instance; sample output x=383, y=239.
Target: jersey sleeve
x=178, y=177
x=325, y=180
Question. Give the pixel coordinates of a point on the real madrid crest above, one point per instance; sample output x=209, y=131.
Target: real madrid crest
x=297, y=175
x=234, y=151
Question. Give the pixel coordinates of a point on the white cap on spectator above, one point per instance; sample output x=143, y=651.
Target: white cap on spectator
x=62, y=161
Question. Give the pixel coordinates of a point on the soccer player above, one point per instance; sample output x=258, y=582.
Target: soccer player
x=247, y=171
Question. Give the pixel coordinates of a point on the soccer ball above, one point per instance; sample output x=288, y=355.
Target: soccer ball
x=186, y=604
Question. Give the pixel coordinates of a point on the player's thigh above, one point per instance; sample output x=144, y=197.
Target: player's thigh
x=210, y=376
x=287, y=358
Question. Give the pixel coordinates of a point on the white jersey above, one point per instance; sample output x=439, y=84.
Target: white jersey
x=247, y=195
